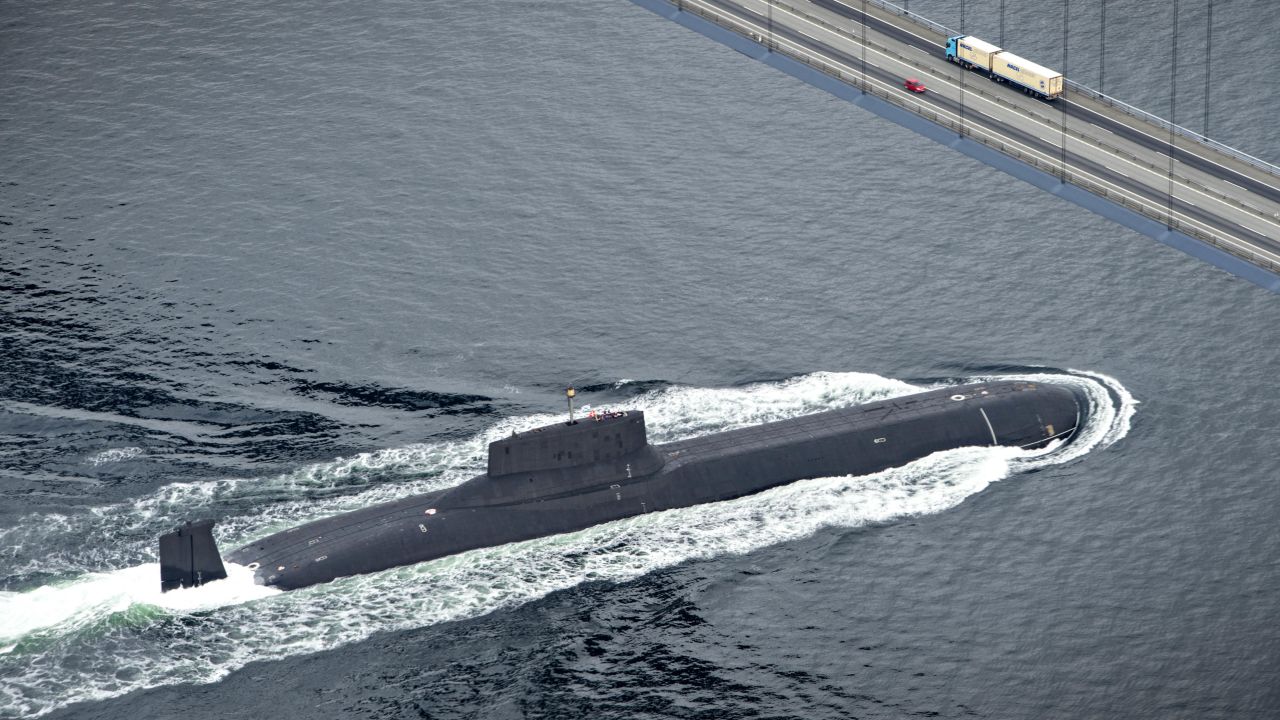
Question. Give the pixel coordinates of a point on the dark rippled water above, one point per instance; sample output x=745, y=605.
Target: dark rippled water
x=267, y=262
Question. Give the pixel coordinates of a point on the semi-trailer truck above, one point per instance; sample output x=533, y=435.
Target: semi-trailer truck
x=1003, y=66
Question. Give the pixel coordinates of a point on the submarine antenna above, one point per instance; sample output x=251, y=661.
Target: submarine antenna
x=569, y=394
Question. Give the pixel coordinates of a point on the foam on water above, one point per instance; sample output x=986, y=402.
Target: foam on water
x=247, y=508
x=123, y=635
x=114, y=455
x=88, y=599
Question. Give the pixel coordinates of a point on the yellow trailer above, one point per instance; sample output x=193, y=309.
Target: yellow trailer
x=971, y=51
x=1033, y=78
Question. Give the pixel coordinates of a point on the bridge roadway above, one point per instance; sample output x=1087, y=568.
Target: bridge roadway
x=1216, y=198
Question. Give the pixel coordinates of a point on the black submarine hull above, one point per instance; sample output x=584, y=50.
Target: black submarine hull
x=571, y=476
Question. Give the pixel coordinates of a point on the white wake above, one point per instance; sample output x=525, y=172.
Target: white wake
x=124, y=635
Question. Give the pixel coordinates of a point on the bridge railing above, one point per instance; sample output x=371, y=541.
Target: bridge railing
x=1179, y=130
x=914, y=17
x=1104, y=99
x=1158, y=211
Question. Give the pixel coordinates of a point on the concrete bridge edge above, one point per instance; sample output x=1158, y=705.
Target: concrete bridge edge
x=1050, y=183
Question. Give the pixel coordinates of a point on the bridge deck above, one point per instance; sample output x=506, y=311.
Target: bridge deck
x=1213, y=196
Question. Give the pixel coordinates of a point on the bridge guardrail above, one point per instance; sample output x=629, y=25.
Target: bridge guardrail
x=1107, y=100
x=1030, y=114
x=1187, y=133
x=1155, y=211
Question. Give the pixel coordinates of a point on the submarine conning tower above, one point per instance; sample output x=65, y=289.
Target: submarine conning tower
x=600, y=445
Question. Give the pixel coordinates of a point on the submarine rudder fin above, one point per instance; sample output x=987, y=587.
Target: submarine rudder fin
x=189, y=557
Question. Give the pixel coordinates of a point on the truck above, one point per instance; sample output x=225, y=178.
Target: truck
x=1003, y=66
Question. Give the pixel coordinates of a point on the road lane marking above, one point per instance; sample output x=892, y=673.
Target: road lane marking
x=812, y=53
x=1043, y=125
x=1166, y=143
x=1064, y=97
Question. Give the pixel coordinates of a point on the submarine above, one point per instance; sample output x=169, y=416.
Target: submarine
x=572, y=475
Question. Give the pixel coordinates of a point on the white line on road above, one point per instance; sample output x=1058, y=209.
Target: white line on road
x=753, y=27
x=1052, y=129
x=1072, y=103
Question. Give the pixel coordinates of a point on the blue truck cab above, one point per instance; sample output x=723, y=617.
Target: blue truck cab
x=952, y=49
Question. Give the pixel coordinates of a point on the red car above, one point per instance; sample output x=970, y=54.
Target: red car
x=914, y=85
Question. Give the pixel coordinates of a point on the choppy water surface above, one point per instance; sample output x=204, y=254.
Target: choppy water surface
x=269, y=263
